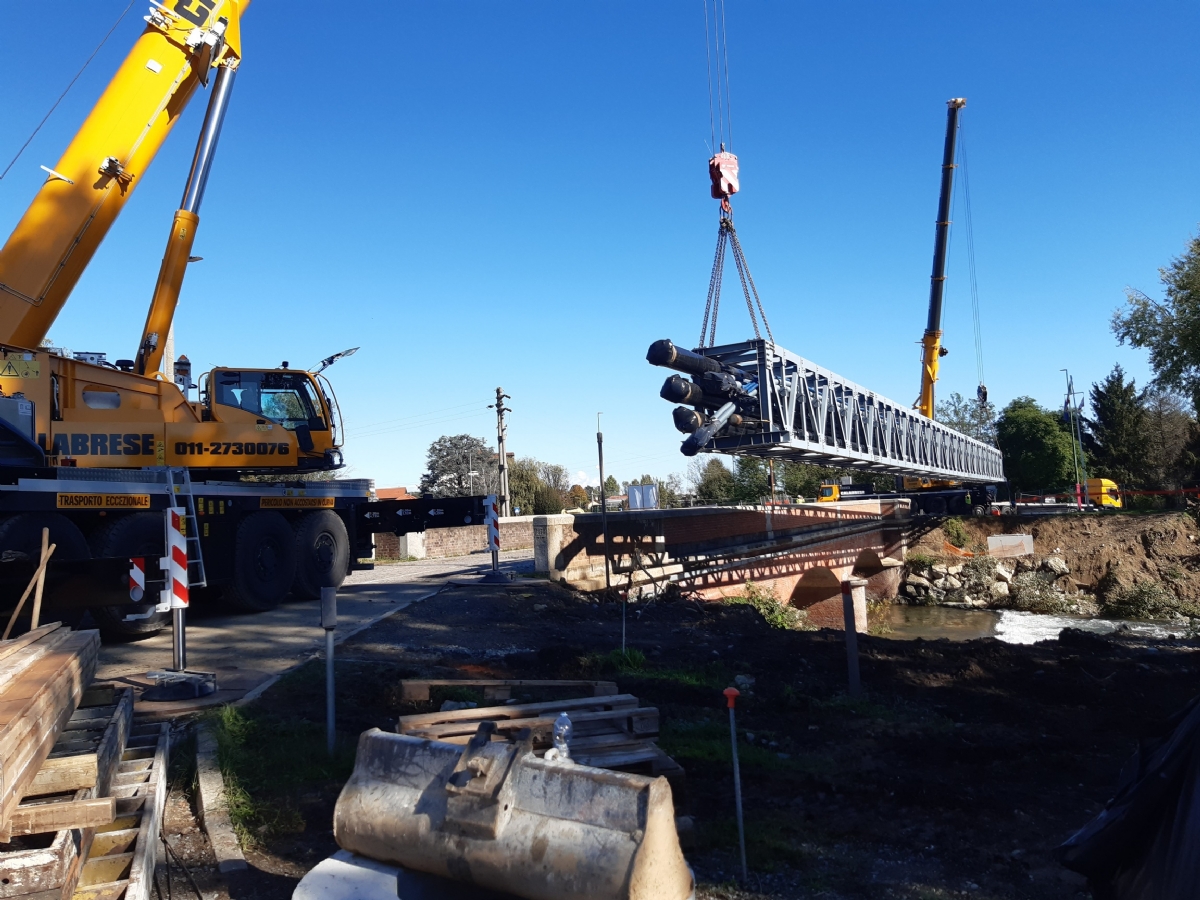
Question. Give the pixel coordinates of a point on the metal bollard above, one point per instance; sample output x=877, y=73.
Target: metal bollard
x=731, y=695
x=329, y=623
x=851, y=634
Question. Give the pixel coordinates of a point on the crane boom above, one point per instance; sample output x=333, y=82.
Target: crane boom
x=90, y=184
x=931, y=342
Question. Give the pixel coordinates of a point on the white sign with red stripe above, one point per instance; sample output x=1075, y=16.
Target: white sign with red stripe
x=175, y=563
x=491, y=518
x=137, y=579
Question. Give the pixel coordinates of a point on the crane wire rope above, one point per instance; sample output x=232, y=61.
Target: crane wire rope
x=720, y=120
x=974, y=281
x=29, y=140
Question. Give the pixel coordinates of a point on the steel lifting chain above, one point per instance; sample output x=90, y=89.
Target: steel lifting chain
x=727, y=235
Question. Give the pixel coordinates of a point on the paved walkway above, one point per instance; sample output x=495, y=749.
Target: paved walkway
x=249, y=650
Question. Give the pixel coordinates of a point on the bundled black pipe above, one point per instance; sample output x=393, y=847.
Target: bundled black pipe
x=664, y=353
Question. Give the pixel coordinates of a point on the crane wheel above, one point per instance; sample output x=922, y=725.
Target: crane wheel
x=140, y=534
x=264, y=563
x=23, y=534
x=322, y=554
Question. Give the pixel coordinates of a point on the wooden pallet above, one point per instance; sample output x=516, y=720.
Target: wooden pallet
x=608, y=732
x=45, y=862
x=42, y=679
x=499, y=688
x=120, y=862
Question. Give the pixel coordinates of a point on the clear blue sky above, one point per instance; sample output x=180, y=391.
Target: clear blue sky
x=516, y=194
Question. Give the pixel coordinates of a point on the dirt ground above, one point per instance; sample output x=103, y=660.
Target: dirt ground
x=956, y=773
x=1104, y=551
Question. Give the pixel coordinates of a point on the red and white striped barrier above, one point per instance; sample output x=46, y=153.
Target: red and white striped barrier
x=491, y=518
x=175, y=563
x=137, y=579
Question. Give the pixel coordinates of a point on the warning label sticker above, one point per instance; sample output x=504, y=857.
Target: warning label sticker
x=295, y=503
x=103, y=501
x=19, y=365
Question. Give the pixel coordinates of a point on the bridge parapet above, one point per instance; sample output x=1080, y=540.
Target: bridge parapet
x=800, y=551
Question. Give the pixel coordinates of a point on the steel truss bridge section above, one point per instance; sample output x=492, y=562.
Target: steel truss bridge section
x=809, y=414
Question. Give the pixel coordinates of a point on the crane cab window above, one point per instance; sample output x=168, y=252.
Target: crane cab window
x=283, y=397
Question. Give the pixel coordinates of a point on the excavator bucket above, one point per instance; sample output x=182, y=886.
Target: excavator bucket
x=494, y=815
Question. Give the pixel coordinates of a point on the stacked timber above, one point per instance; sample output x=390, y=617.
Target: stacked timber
x=43, y=675
x=609, y=731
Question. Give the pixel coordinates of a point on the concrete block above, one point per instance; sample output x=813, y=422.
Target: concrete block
x=412, y=545
x=549, y=536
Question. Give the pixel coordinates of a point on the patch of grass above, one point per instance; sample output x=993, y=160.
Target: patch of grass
x=877, y=618
x=770, y=841
x=767, y=604
x=956, y=532
x=1034, y=592
x=269, y=762
x=917, y=561
x=714, y=676
x=629, y=661
x=1146, y=600
x=707, y=741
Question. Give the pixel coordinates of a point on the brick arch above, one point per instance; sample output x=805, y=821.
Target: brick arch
x=868, y=564
x=816, y=585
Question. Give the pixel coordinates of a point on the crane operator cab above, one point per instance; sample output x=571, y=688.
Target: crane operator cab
x=287, y=400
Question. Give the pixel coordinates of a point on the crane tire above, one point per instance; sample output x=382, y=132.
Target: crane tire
x=140, y=534
x=979, y=510
x=322, y=554
x=22, y=533
x=264, y=563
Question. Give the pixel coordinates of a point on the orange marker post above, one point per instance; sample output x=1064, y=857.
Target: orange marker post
x=731, y=695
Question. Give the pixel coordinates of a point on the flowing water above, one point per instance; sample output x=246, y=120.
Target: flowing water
x=1008, y=625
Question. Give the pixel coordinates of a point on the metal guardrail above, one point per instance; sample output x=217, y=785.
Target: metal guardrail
x=809, y=414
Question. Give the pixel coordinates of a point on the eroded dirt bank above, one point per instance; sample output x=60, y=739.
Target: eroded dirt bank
x=957, y=771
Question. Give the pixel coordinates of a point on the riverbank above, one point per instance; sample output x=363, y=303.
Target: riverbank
x=959, y=769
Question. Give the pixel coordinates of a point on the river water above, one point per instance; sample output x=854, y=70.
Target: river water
x=1008, y=625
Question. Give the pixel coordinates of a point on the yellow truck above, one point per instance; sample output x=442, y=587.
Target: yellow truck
x=1104, y=493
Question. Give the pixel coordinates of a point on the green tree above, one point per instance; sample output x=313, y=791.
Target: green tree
x=522, y=483
x=670, y=491
x=578, y=496
x=972, y=418
x=1172, y=441
x=449, y=463
x=1169, y=329
x=751, y=480
x=612, y=487
x=716, y=482
x=1116, y=438
x=1036, y=447
x=547, y=500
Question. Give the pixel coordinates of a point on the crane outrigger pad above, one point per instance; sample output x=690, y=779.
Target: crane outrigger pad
x=778, y=405
x=493, y=814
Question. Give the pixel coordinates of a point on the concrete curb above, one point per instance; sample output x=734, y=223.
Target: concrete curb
x=214, y=807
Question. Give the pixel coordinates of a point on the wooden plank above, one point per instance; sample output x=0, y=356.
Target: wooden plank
x=639, y=720
x=69, y=770
x=49, y=691
x=106, y=869
x=108, y=842
x=7, y=648
x=16, y=663
x=116, y=890
x=99, y=695
x=519, y=710
x=497, y=688
x=141, y=874
x=39, y=817
x=56, y=869
x=64, y=773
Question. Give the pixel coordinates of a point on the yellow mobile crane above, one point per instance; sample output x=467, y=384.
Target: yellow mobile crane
x=86, y=411
x=97, y=451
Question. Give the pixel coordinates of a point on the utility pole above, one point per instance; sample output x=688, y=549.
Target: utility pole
x=501, y=434
x=603, y=503
x=1073, y=425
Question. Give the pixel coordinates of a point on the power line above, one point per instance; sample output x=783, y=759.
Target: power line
x=64, y=93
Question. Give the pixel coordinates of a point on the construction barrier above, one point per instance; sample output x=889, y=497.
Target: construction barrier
x=175, y=563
